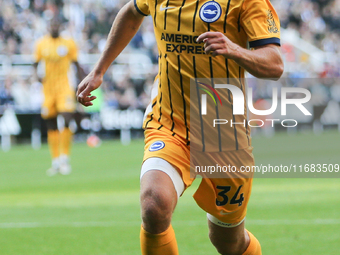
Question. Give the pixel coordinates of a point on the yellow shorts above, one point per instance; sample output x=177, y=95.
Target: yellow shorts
x=56, y=103
x=224, y=198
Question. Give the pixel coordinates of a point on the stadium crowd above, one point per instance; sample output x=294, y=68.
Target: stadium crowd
x=22, y=22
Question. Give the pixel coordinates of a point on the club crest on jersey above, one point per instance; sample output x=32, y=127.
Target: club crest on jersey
x=62, y=51
x=210, y=11
x=156, y=146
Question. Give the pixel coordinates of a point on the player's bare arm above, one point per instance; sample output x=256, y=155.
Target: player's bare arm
x=80, y=71
x=263, y=62
x=123, y=29
x=35, y=74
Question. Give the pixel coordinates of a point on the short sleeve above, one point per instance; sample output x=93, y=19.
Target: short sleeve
x=73, y=51
x=37, y=52
x=142, y=6
x=260, y=22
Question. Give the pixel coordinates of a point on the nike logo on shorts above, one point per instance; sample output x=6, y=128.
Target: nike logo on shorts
x=224, y=213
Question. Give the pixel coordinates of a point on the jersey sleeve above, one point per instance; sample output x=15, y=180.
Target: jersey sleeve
x=142, y=6
x=37, y=51
x=73, y=51
x=261, y=23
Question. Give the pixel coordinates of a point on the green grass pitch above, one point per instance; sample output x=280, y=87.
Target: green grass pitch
x=95, y=210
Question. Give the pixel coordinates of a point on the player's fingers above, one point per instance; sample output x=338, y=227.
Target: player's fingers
x=209, y=41
x=212, y=48
x=84, y=93
x=217, y=52
x=80, y=89
x=87, y=104
x=89, y=99
x=208, y=35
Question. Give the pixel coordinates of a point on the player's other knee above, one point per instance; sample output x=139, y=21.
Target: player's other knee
x=228, y=241
x=229, y=247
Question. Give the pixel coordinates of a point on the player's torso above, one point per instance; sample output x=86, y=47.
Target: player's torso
x=57, y=62
x=177, y=25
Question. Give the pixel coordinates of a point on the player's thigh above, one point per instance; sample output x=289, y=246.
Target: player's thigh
x=49, y=107
x=225, y=198
x=65, y=102
x=166, y=162
x=163, y=151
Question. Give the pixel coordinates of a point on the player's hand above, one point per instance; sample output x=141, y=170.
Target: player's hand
x=216, y=43
x=91, y=82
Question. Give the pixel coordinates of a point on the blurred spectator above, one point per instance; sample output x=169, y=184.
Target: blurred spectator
x=6, y=97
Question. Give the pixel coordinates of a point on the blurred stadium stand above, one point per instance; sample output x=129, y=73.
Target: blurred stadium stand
x=310, y=45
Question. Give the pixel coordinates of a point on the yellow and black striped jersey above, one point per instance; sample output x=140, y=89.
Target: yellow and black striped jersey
x=177, y=24
x=58, y=54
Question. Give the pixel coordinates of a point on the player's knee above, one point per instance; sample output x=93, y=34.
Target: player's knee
x=229, y=248
x=233, y=250
x=155, y=203
x=157, y=208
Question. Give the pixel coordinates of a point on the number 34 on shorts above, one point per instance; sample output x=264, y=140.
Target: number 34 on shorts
x=236, y=199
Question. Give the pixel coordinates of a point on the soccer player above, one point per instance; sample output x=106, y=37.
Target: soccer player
x=58, y=54
x=197, y=40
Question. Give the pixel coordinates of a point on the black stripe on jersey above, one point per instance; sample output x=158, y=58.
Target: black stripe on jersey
x=165, y=14
x=160, y=114
x=170, y=100
x=184, y=104
x=247, y=131
x=151, y=118
x=227, y=73
x=154, y=17
x=160, y=99
x=216, y=107
x=194, y=19
x=179, y=16
x=239, y=22
x=225, y=17
x=160, y=108
x=244, y=93
x=239, y=77
x=160, y=85
x=235, y=130
x=199, y=103
x=232, y=104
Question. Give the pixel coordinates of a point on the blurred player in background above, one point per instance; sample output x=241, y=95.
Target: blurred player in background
x=195, y=40
x=58, y=54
